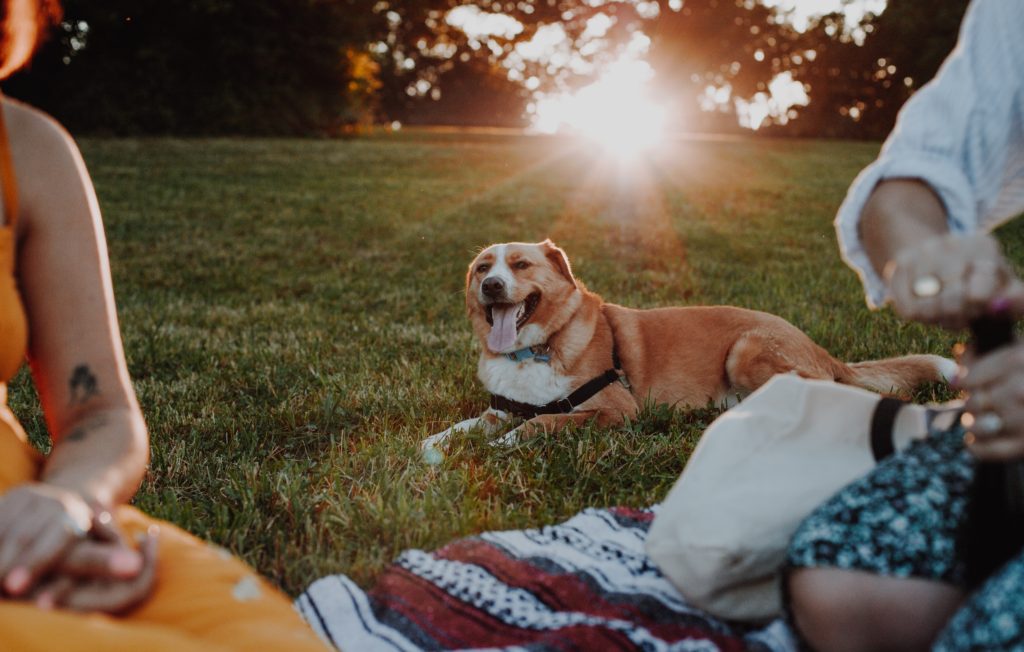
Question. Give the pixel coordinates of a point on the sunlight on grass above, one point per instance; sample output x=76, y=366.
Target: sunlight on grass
x=294, y=321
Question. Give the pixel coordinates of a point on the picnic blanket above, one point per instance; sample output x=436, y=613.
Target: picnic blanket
x=584, y=584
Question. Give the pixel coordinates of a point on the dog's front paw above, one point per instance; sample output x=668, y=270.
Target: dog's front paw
x=509, y=439
x=436, y=442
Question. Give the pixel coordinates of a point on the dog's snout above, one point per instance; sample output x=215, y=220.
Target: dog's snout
x=493, y=287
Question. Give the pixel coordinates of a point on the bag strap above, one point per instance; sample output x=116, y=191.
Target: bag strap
x=882, y=421
x=10, y=186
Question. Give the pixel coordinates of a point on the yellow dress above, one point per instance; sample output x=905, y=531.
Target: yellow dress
x=204, y=598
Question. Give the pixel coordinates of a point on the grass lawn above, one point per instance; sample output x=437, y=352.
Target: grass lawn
x=294, y=323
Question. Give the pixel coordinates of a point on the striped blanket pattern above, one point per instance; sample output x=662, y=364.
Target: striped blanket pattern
x=584, y=584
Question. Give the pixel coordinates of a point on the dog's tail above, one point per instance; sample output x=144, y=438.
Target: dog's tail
x=897, y=375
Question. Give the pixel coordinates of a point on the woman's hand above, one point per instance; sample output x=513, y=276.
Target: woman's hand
x=995, y=408
x=38, y=524
x=59, y=551
x=950, y=280
x=101, y=575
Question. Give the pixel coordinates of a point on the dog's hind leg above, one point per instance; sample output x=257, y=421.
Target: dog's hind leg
x=755, y=357
x=489, y=422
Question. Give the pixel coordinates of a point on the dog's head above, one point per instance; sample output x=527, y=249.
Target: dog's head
x=517, y=294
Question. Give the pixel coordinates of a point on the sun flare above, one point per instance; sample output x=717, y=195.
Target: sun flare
x=616, y=111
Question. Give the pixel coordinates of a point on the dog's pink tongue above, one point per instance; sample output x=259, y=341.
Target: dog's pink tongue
x=503, y=332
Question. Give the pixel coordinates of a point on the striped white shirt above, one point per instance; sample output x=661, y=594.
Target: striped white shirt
x=962, y=133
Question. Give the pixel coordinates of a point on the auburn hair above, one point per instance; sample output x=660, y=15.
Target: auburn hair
x=24, y=24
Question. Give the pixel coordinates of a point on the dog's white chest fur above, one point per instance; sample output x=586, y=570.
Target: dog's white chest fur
x=527, y=382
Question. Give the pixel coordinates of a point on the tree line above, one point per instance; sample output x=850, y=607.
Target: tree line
x=321, y=67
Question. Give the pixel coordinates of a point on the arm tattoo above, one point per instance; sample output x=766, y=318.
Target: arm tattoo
x=78, y=434
x=83, y=385
x=82, y=430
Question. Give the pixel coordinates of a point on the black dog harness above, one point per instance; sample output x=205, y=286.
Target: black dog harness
x=565, y=405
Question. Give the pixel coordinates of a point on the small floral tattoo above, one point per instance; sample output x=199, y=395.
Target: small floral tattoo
x=83, y=385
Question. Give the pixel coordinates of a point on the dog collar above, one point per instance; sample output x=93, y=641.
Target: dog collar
x=538, y=353
x=563, y=406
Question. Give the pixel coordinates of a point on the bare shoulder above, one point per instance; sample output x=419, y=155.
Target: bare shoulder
x=47, y=164
x=32, y=131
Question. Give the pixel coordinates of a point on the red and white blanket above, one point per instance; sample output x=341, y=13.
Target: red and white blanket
x=584, y=584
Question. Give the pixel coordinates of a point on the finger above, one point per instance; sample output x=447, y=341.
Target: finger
x=1007, y=397
x=1001, y=448
x=35, y=560
x=51, y=593
x=19, y=538
x=149, y=549
x=999, y=364
x=931, y=309
x=982, y=283
x=1010, y=299
x=105, y=528
x=142, y=585
x=905, y=300
x=951, y=301
x=94, y=559
x=20, y=525
x=116, y=596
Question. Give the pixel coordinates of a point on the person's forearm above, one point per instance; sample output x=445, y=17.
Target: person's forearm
x=102, y=456
x=898, y=214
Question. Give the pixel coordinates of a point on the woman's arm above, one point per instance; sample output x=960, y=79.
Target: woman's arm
x=905, y=235
x=899, y=214
x=100, y=442
x=957, y=149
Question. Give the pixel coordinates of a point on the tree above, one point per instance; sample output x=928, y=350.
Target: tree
x=318, y=66
x=856, y=89
x=699, y=44
x=200, y=66
x=856, y=76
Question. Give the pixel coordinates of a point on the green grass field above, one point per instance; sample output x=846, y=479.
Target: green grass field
x=294, y=320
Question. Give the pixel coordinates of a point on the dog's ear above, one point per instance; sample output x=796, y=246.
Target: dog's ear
x=559, y=260
x=469, y=280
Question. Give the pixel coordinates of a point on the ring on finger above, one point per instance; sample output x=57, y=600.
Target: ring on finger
x=987, y=424
x=926, y=286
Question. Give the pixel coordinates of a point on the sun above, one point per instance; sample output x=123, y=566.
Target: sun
x=616, y=111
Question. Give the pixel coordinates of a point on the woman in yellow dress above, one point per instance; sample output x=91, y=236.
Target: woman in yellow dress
x=79, y=569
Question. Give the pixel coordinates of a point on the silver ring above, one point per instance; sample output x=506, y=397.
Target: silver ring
x=988, y=423
x=926, y=286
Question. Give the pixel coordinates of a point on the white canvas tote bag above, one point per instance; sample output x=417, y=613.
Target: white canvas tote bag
x=721, y=534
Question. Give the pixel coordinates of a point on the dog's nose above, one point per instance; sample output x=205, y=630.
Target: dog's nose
x=493, y=287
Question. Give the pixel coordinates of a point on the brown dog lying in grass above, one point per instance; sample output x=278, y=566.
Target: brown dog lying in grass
x=555, y=353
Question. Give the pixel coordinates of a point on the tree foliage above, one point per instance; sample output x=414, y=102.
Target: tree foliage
x=856, y=76
x=315, y=66
x=856, y=89
x=201, y=66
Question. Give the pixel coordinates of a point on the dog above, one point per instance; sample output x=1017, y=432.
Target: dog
x=555, y=353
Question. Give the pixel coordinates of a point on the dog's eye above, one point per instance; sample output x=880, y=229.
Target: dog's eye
x=480, y=269
x=522, y=264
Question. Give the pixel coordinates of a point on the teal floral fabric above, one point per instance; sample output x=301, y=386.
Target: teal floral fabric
x=901, y=520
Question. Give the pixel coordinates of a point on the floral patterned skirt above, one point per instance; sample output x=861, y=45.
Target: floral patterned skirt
x=901, y=520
